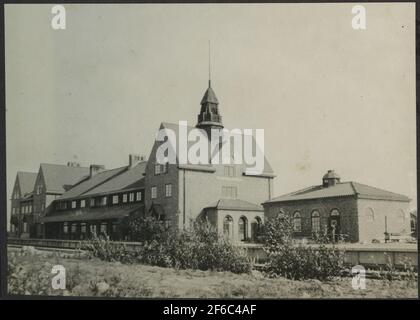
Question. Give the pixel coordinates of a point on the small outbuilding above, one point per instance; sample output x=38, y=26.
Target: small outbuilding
x=353, y=211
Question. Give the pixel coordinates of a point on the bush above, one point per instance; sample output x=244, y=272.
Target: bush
x=298, y=262
x=199, y=248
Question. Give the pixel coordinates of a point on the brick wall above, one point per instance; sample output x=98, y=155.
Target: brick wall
x=347, y=206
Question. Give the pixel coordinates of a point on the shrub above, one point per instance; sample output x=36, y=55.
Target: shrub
x=298, y=262
x=198, y=248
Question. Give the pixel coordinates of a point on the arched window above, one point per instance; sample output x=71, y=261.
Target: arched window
x=228, y=227
x=297, y=222
x=335, y=213
x=369, y=214
x=255, y=227
x=316, y=221
x=243, y=226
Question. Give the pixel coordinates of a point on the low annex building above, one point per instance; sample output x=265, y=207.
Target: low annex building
x=358, y=212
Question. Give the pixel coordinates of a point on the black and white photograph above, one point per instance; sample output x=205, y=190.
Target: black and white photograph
x=211, y=151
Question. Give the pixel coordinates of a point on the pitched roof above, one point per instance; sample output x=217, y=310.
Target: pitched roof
x=342, y=189
x=268, y=171
x=58, y=176
x=26, y=181
x=126, y=179
x=235, y=204
x=90, y=183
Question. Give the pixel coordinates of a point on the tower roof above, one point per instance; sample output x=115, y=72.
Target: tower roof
x=209, y=96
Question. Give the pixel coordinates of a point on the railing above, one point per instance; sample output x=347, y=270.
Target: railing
x=366, y=255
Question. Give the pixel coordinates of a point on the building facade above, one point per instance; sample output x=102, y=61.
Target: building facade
x=353, y=211
x=97, y=200
x=21, y=204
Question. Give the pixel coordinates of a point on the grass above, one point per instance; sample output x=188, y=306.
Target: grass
x=92, y=277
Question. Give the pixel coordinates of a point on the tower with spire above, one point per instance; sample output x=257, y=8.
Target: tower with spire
x=209, y=117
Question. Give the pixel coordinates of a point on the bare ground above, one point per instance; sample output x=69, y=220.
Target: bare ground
x=32, y=275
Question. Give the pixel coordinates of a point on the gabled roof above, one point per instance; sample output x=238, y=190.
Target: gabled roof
x=126, y=179
x=342, y=189
x=26, y=181
x=57, y=176
x=235, y=204
x=268, y=171
x=91, y=183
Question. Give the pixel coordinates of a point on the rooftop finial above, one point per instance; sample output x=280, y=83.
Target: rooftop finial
x=209, y=65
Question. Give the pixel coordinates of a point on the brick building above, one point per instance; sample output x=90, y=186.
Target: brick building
x=22, y=203
x=359, y=212
x=98, y=199
x=98, y=203
x=226, y=195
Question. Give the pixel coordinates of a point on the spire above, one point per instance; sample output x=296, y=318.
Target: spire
x=209, y=116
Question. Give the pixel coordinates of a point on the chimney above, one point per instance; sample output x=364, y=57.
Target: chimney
x=73, y=164
x=134, y=159
x=330, y=179
x=95, y=168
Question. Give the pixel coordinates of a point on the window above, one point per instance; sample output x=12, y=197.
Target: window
x=255, y=228
x=229, y=192
x=83, y=228
x=82, y=203
x=65, y=228
x=369, y=214
x=92, y=202
x=73, y=228
x=30, y=208
x=168, y=190
x=104, y=227
x=63, y=205
x=131, y=197
x=228, y=227
x=25, y=227
x=138, y=196
x=124, y=198
x=335, y=213
x=161, y=168
x=93, y=229
x=115, y=199
x=164, y=168
x=157, y=168
x=230, y=171
x=316, y=221
x=154, y=192
x=297, y=222
x=42, y=207
x=103, y=201
x=73, y=204
x=114, y=227
x=13, y=210
x=243, y=228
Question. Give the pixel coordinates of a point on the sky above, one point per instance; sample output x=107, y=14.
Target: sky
x=327, y=96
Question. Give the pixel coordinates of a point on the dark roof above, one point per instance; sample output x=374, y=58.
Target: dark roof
x=88, y=214
x=340, y=190
x=127, y=179
x=26, y=181
x=89, y=184
x=235, y=204
x=267, y=171
x=209, y=96
x=58, y=176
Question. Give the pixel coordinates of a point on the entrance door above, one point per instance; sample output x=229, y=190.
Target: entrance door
x=334, y=225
